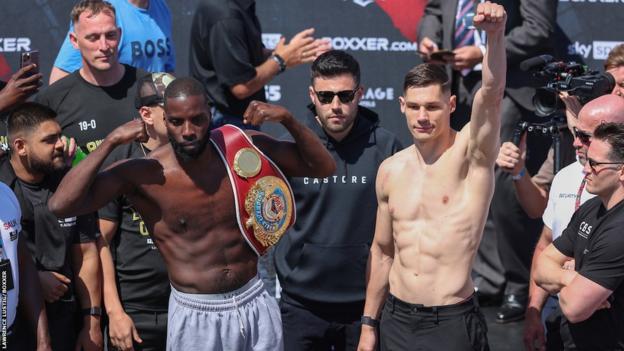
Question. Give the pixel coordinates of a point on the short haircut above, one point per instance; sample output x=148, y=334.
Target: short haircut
x=615, y=58
x=613, y=134
x=27, y=117
x=92, y=6
x=427, y=74
x=334, y=63
x=184, y=87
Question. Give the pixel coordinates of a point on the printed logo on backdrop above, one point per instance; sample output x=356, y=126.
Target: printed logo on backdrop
x=273, y=93
x=363, y=3
x=580, y=49
x=602, y=48
x=14, y=44
x=270, y=40
x=370, y=44
x=372, y=95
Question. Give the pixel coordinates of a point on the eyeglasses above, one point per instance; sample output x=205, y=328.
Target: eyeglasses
x=345, y=96
x=583, y=136
x=593, y=164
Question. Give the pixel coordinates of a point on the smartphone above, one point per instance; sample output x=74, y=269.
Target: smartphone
x=442, y=55
x=28, y=58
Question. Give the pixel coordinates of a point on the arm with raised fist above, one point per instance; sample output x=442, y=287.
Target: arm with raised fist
x=83, y=189
x=306, y=156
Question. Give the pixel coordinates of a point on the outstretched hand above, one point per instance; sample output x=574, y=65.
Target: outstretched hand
x=302, y=48
x=259, y=112
x=490, y=18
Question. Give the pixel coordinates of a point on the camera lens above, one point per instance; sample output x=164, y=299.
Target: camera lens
x=546, y=102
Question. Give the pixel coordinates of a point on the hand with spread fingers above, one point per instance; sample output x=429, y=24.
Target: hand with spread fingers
x=490, y=18
x=19, y=87
x=259, y=112
x=302, y=48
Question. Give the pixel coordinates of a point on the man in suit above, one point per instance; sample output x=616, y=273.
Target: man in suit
x=530, y=24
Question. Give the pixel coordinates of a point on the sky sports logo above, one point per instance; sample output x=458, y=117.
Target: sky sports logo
x=600, y=49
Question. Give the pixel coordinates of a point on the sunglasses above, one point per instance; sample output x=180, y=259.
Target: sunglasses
x=345, y=96
x=593, y=164
x=584, y=137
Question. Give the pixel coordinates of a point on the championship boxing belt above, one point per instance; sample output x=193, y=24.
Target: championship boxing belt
x=265, y=207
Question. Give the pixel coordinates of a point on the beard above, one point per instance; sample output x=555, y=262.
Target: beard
x=38, y=165
x=192, y=154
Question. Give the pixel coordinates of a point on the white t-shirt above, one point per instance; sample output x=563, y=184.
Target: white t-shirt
x=562, y=198
x=10, y=227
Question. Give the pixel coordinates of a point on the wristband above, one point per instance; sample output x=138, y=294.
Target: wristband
x=92, y=311
x=280, y=61
x=370, y=321
x=519, y=175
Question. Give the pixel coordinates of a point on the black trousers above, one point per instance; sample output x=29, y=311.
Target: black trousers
x=458, y=327
x=152, y=328
x=321, y=326
x=63, y=324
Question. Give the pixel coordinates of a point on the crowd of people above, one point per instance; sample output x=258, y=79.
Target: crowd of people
x=144, y=211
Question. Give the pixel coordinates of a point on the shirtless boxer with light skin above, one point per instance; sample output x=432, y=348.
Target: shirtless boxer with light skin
x=185, y=198
x=433, y=200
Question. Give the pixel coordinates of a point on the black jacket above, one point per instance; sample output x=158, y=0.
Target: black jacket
x=323, y=256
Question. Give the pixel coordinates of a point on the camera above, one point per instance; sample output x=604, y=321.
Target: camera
x=570, y=77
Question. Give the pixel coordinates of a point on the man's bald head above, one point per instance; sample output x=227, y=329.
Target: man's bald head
x=606, y=108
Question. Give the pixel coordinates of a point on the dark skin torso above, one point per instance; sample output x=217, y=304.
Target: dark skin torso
x=190, y=211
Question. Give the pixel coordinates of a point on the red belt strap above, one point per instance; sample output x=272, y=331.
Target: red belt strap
x=265, y=207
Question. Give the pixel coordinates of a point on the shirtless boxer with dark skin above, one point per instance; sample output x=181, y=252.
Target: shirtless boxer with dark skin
x=182, y=190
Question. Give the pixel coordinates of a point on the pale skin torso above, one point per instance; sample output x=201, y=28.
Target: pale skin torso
x=437, y=212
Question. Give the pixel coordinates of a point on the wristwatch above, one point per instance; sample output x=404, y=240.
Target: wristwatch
x=370, y=321
x=519, y=175
x=280, y=61
x=92, y=311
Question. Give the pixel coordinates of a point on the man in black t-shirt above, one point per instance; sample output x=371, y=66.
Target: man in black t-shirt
x=93, y=101
x=592, y=295
x=136, y=286
x=63, y=248
x=228, y=57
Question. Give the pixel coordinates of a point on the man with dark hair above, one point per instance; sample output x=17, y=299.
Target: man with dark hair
x=432, y=204
x=98, y=97
x=591, y=294
x=136, y=285
x=63, y=248
x=503, y=261
x=228, y=57
x=213, y=201
x=328, y=248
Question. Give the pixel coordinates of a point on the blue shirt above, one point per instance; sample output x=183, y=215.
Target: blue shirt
x=146, y=40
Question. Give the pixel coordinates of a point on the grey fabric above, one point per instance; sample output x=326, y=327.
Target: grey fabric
x=245, y=319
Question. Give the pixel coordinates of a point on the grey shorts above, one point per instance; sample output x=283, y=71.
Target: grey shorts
x=245, y=319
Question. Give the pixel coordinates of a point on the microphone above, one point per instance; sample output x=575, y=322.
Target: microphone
x=535, y=62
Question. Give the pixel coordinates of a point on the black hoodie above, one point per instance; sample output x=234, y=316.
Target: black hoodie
x=323, y=256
